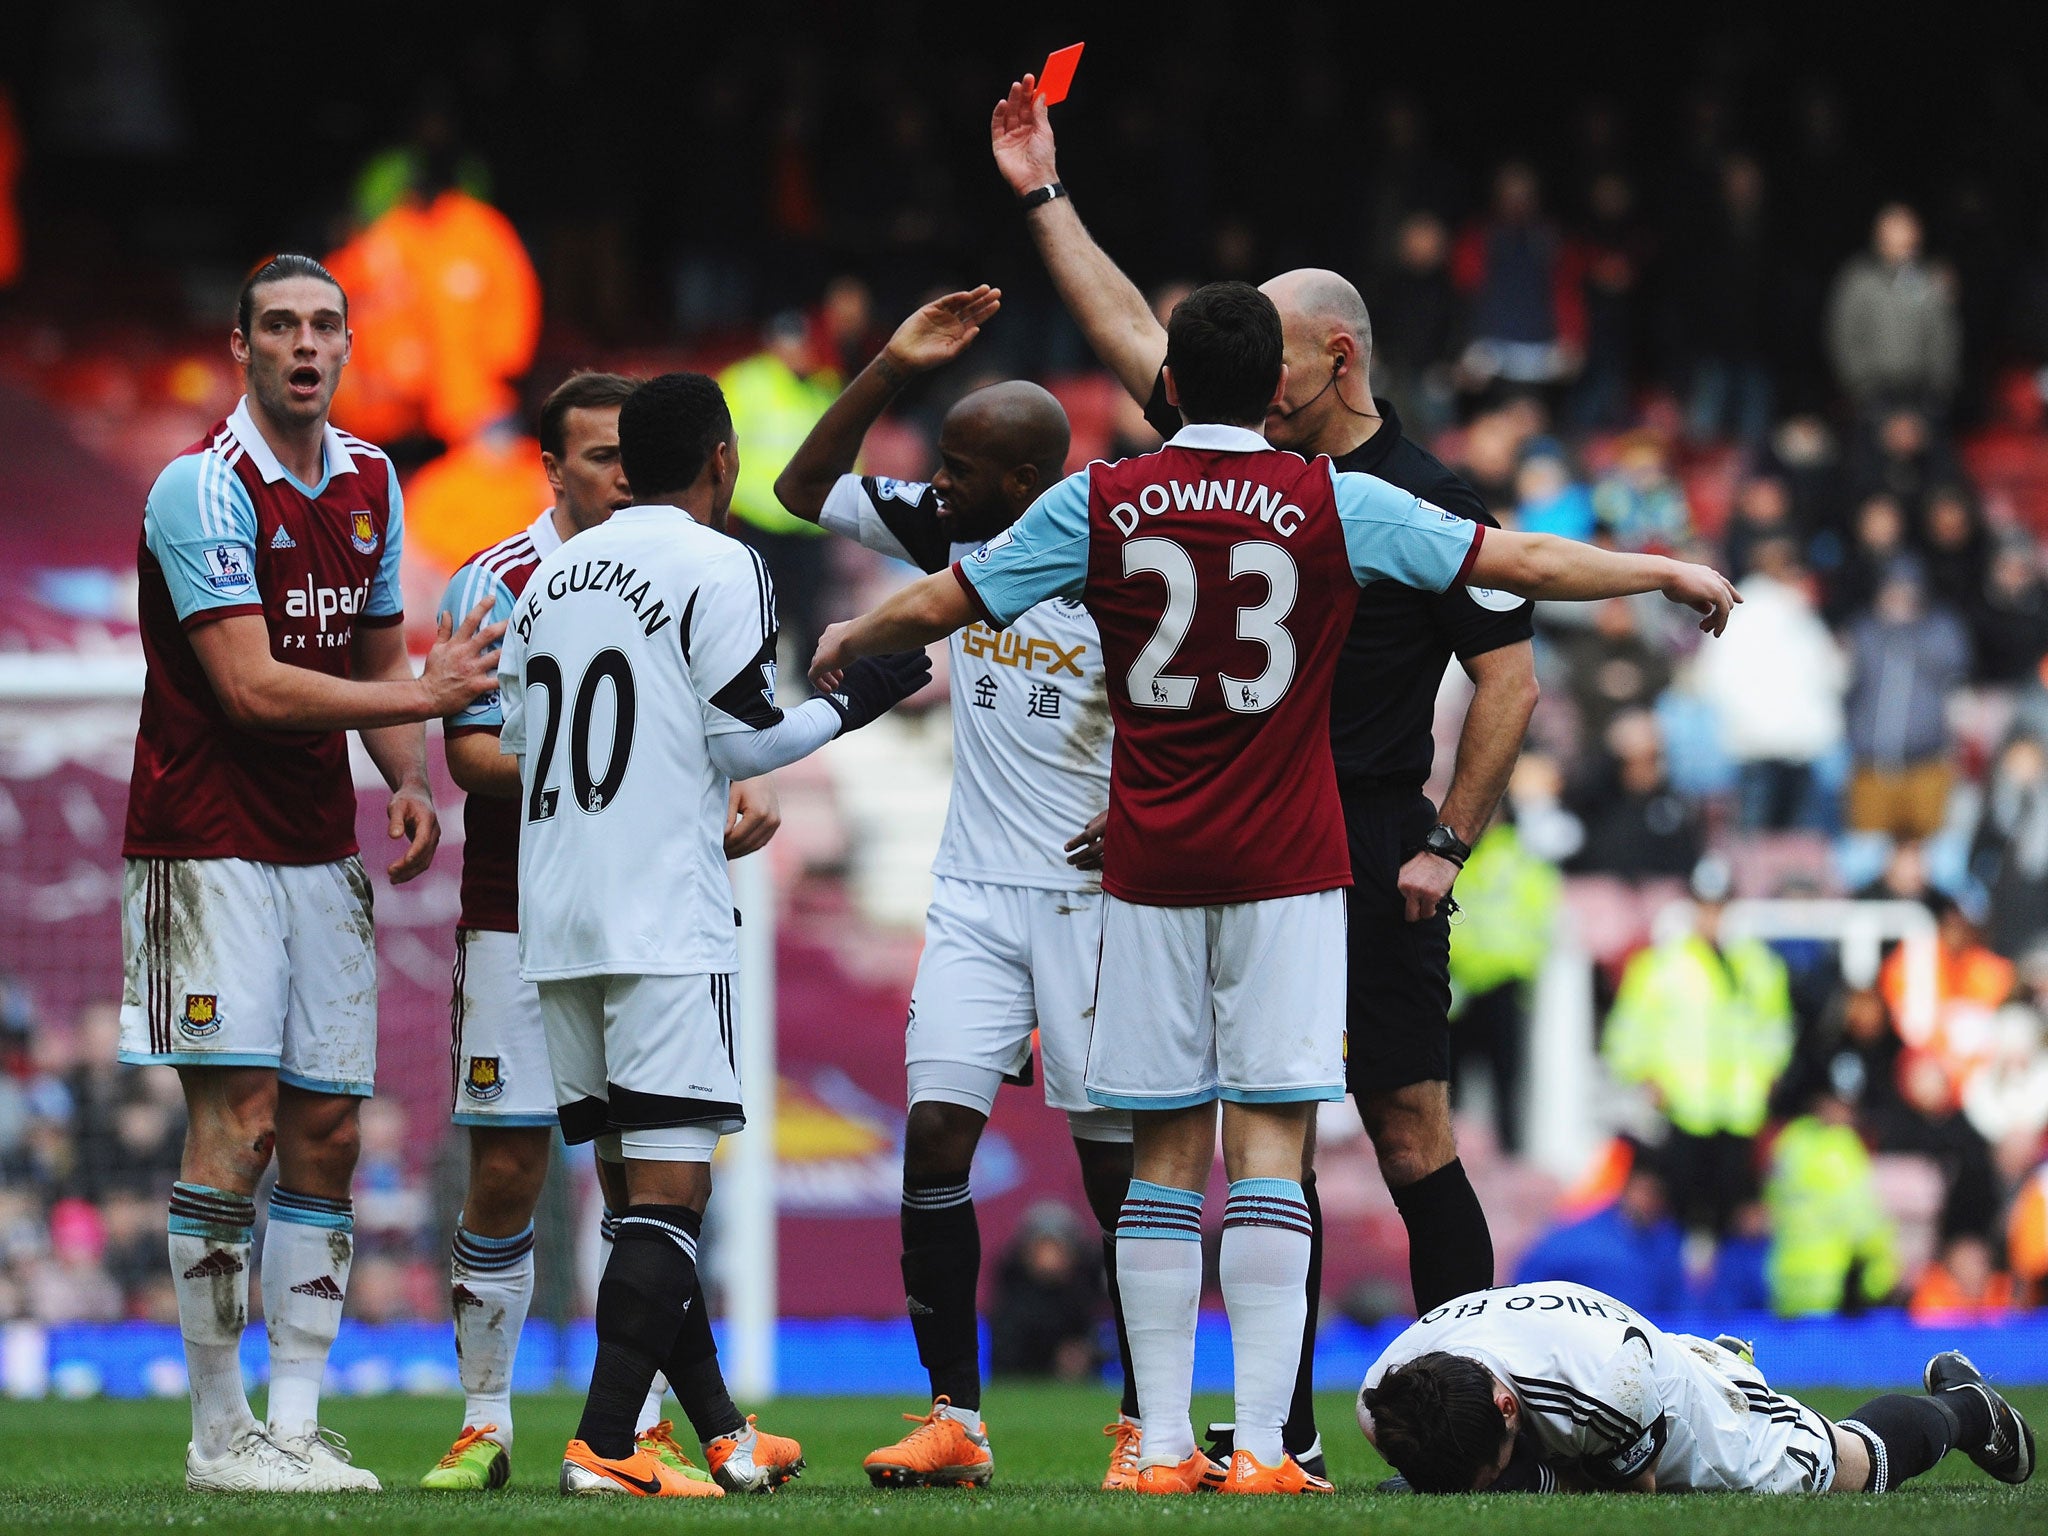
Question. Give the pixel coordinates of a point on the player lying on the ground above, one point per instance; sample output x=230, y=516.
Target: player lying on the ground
x=1014, y=929
x=638, y=682
x=504, y=1094
x=1554, y=1387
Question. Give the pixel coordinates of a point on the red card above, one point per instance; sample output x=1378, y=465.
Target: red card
x=1059, y=74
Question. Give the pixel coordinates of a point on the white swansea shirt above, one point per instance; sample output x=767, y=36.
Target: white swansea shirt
x=1031, y=724
x=632, y=645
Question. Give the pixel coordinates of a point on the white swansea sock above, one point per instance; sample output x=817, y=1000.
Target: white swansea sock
x=492, y=1292
x=651, y=1411
x=1263, y=1267
x=307, y=1252
x=211, y=1240
x=1159, y=1270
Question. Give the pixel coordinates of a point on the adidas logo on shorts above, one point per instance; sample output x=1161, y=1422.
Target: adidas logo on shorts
x=463, y=1296
x=283, y=540
x=218, y=1262
x=321, y=1287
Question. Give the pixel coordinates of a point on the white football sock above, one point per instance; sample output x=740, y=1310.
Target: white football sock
x=1159, y=1270
x=307, y=1252
x=211, y=1240
x=1263, y=1267
x=492, y=1291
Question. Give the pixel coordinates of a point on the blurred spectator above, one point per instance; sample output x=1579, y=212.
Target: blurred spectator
x=1971, y=983
x=1877, y=540
x=1509, y=896
x=2012, y=625
x=843, y=334
x=1705, y=1023
x=1612, y=253
x=1902, y=455
x=1908, y=658
x=1832, y=1247
x=1763, y=510
x=1547, y=497
x=1638, y=503
x=1632, y=1244
x=2026, y=1236
x=1962, y=1285
x=1637, y=825
x=1725, y=292
x=392, y=1207
x=1776, y=680
x=2005, y=1097
x=69, y=1284
x=1893, y=332
x=1613, y=669
x=774, y=404
x=1957, y=553
x=1415, y=325
x=1527, y=315
x=2009, y=853
x=1048, y=1299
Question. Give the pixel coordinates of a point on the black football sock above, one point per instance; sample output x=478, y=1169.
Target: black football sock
x=695, y=1378
x=1909, y=1432
x=649, y=1284
x=1450, y=1251
x=1299, y=1432
x=1129, y=1406
x=941, y=1269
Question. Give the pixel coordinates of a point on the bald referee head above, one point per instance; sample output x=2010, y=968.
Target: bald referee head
x=999, y=448
x=1327, y=343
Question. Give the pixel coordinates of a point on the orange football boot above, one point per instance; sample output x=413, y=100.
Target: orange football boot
x=1191, y=1476
x=1122, y=1476
x=642, y=1475
x=752, y=1461
x=940, y=1453
x=1250, y=1475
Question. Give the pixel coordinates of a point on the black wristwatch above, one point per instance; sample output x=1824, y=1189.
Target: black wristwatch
x=1039, y=196
x=1446, y=844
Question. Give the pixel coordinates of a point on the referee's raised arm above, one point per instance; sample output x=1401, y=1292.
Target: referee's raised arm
x=1107, y=305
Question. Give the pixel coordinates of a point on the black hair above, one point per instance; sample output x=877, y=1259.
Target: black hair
x=667, y=430
x=275, y=270
x=584, y=390
x=1435, y=1421
x=1223, y=345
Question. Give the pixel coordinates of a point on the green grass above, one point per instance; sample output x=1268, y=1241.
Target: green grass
x=118, y=1466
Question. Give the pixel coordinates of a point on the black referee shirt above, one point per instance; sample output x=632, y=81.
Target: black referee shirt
x=1383, y=704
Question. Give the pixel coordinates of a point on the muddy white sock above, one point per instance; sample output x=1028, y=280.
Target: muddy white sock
x=492, y=1292
x=212, y=1234
x=307, y=1251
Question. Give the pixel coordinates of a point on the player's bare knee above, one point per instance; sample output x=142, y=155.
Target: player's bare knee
x=506, y=1170
x=231, y=1126
x=939, y=1139
x=319, y=1138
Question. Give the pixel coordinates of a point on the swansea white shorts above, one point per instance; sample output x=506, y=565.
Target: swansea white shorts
x=1735, y=1434
x=500, y=1047
x=231, y=963
x=652, y=1060
x=1241, y=1002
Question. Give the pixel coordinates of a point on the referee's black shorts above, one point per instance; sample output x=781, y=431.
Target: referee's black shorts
x=1399, y=1000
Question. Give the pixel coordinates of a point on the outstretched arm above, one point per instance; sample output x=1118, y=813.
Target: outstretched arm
x=1111, y=312
x=934, y=335
x=907, y=620
x=1542, y=565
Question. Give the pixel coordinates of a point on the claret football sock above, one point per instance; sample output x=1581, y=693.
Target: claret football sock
x=1129, y=1406
x=1159, y=1271
x=1263, y=1269
x=941, y=1270
x=649, y=1284
x=1450, y=1250
x=1300, y=1433
x=491, y=1293
x=212, y=1235
x=308, y=1250
x=692, y=1369
x=1908, y=1433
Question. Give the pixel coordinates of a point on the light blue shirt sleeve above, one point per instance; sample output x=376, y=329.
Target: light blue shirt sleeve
x=1043, y=554
x=201, y=525
x=386, y=597
x=468, y=587
x=1394, y=535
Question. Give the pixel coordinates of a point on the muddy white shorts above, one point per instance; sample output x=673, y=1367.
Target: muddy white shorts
x=500, y=1048
x=1731, y=1433
x=1000, y=962
x=232, y=963
x=1242, y=1002
x=652, y=1060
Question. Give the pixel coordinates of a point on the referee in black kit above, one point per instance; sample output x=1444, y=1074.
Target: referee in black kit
x=1404, y=854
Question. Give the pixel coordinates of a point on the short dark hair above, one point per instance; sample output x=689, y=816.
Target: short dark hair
x=1435, y=1421
x=667, y=429
x=584, y=390
x=1223, y=345
x=276, y=269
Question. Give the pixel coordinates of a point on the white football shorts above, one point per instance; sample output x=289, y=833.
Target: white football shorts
x=1735, y=1434
x=500, y=1047
x=232, y=963
x=1242, y=1002
x=652, y=1060
x=1001, y=961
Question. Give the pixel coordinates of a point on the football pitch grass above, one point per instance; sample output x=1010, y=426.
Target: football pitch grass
x=119, y=1466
